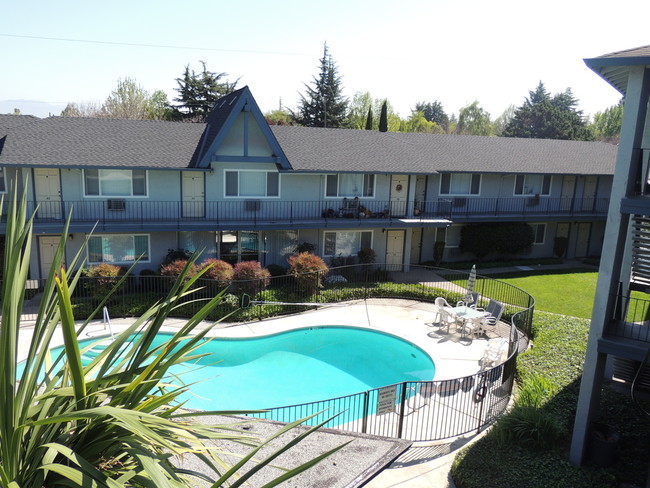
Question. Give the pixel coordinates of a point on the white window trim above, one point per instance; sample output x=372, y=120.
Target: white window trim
x=248, y=197
x=534, y=226
x=338, y=197
x=120, y=262
x=4, y=180
x=372, y=237
x=528, y=195
x=469, y=195
x=103, y=197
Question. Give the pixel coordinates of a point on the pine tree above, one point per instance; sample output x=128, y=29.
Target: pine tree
x=383, y=117
x=549, y=117
x=199, y=92
x=369, y=119
x=323, y=105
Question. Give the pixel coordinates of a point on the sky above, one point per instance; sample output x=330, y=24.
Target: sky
x=406, y=51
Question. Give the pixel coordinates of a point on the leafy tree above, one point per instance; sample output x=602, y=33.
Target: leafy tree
x=369, y=119
x=473, y=120
x=198, y=92
x=417, y=122
x=548, y=117
x=358, y=110
x=383, y=117
x=278, y=117
x=129, y=100
x=501, y=122
x=324, y=104
x=606, y=126
x=433, y=112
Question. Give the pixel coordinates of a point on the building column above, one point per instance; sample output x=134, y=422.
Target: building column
x=611, y=271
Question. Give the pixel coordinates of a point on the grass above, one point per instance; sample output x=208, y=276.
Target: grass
x=558, y=355
x=566, y=291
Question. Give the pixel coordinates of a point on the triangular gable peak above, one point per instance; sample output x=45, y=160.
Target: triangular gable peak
x=236, y=131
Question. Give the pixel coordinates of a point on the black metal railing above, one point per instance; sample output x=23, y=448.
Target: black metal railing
x=415, y=410
x=257, y=211
x=631, y=318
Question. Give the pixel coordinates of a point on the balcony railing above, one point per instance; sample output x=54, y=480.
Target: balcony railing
x=257, y=211
x=631, y=319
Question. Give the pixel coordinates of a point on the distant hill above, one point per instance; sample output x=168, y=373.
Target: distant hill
x=31, y=107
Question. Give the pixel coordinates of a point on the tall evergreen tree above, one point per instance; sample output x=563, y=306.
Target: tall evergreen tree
x=369, y=119
x=549, y=117
x=433, y=112
x=323, y=105
x=383, y=117
x=198, y=92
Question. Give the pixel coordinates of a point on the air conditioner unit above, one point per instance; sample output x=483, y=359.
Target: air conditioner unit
x=252, y=205
x=117, y=205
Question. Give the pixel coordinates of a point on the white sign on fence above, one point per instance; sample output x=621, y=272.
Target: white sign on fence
x=386, y=400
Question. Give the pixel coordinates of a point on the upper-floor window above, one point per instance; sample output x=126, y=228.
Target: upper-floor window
x=3, y=181
x=460, y=184
x=252, y=183
x=115, y=182
x=346, y=243
x=350, y=185
x=533, y=185
x=118, y=248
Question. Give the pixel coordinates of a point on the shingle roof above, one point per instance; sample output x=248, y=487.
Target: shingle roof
x=615, y=67
x=100, y=142
x=316, y=149
x=8, y=121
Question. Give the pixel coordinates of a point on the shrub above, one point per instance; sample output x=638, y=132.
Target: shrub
x=309, y=270
x=366, y=256
x=528, y=427
x=219, y=270
x=102, y=278
x=175, y=255
x=175, y=268
x=250, y=277
x=305, y=247
x=560, y=246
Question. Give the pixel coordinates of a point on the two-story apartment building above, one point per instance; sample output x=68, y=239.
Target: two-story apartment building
x=240, y=189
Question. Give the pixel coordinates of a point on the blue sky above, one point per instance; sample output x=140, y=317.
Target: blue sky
x=409, y=51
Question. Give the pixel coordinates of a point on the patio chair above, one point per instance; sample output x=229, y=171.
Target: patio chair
x=493, y=313
x=473, y=327
x=445, y=317
x=469, y=300
x=494, y=351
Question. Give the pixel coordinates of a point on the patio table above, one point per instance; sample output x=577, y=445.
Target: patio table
x=465, y=314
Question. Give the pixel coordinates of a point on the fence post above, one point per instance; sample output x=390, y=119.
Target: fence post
x=366, y=402
x=402, y=408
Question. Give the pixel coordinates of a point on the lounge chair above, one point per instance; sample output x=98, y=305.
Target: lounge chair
x=493, y=313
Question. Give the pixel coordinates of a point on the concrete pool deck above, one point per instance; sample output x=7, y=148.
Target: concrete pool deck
x=369, y=461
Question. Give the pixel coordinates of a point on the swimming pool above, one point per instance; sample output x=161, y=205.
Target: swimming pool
x=297, y=366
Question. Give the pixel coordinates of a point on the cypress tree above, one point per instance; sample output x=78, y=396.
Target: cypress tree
x=369, y=119
x=383, y=118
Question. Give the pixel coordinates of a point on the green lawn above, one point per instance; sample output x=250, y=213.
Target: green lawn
x=568, y=292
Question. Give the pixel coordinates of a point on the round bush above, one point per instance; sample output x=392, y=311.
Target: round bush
x=102, y=278
x=309, y=270
x=249, y=277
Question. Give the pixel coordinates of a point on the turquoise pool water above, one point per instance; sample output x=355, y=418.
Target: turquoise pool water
x=299, y=366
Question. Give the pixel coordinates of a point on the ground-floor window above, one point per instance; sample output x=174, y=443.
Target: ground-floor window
x=449, y=235
x=236, y=246
x=346, y=243
x=198, y=241
x=539, y=231
x=118, y=248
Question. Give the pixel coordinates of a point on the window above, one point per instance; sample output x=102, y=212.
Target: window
x=533, y=185
x=118, y=249
x=3, y=182
x=449, y=235
x=236, y=246
x=350, y=185
x=460, y=184
x=115, y=182
x=346, y=243
x=539, y=230
x=203, y=242
x=252, y=184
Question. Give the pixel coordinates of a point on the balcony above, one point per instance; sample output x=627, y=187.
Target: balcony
x=127, y=214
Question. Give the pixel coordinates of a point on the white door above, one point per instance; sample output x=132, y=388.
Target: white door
x=394, y=250
x=398, y=195
x=568, y=188
x=582, y=239
x=589, y=193
x=47, y=249
x=416, y=245
x=193, y=194
x=48, y=193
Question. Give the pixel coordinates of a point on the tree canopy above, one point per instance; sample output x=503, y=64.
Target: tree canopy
x=606, y=126
x=433, y=112
x=548, y=117
x=323, y=104
x=474, y=120
x=198, y=92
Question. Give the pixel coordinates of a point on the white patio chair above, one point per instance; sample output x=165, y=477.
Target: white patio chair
x=494, y=352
